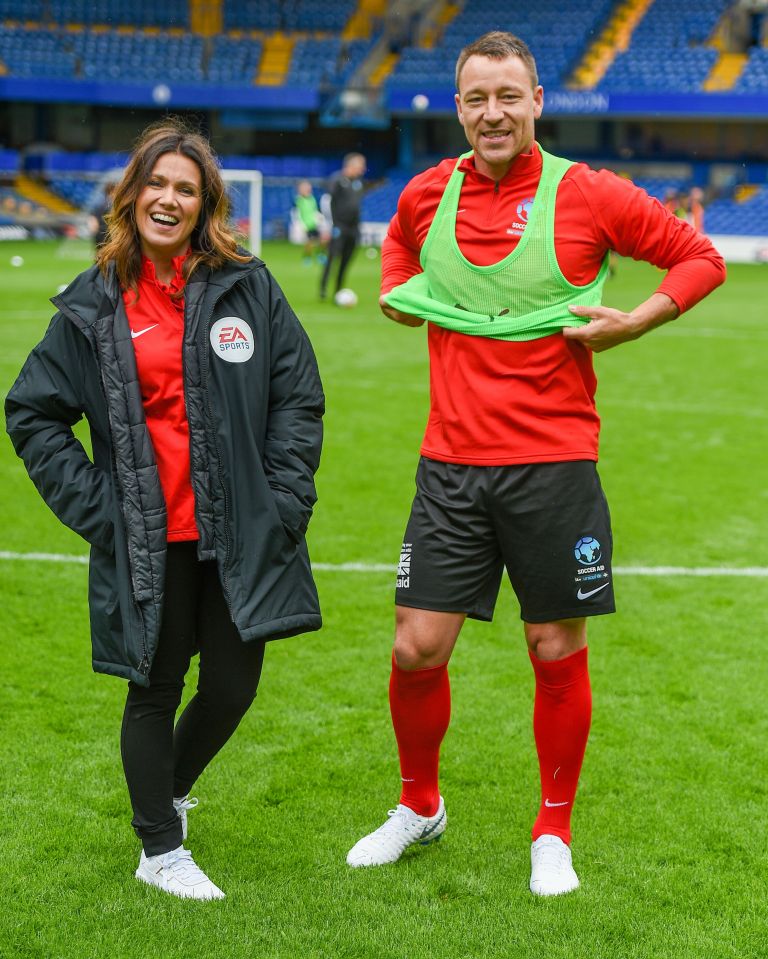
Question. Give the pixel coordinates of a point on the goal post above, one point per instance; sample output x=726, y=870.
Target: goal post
x=245, y=188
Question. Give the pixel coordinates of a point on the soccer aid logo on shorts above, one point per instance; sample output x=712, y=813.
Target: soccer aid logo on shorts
x=404, y=567
x=587, y=551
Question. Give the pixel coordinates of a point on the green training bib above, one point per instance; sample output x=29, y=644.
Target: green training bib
x=522, y=297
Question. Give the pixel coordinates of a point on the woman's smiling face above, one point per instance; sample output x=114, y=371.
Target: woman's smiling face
x=168, y=208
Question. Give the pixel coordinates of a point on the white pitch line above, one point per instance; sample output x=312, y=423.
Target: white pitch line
x=44, y=557
x=753, y=572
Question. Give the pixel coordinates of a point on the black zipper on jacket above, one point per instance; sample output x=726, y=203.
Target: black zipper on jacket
x=204, y=377
x=143, y=666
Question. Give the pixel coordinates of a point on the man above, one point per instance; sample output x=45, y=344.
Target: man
x=509, y=272
x=345, y=190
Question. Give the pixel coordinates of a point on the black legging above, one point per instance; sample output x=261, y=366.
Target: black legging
x=342, y=245
x=161, y=762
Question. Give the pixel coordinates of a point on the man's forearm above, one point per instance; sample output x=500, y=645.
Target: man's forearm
x=655, y=311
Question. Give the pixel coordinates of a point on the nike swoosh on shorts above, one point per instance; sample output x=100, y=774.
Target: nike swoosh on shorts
x=592, y=592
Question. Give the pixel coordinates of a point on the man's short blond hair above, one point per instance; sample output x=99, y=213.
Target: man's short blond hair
x=498, y=45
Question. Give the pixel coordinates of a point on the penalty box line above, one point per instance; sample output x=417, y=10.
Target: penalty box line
x=753, y=572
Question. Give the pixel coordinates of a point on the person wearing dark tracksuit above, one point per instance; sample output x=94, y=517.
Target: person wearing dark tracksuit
x=346, y=194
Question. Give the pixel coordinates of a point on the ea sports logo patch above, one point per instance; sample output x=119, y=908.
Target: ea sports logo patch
x=232, y=339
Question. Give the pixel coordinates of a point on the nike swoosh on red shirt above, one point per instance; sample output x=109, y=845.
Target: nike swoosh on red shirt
x=141, y=332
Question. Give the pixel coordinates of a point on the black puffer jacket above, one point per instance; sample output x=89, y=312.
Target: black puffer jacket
x=254, y=404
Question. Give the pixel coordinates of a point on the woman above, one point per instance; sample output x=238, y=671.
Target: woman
x=204, y=404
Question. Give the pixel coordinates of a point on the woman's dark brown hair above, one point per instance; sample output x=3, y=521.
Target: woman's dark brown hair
x=212, y=242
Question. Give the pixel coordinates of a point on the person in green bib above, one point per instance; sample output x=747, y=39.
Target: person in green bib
x=309, y=216
x=503, y=252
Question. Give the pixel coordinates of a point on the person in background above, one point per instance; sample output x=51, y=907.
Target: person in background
x=309, y=215
x=676, y=203
x=696, y=209
x=97, y=221
x=504, y=250
x=205, y=409
x=345, y=191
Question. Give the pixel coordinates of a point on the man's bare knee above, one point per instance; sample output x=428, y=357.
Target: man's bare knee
x=556, y=640
x=425, y=638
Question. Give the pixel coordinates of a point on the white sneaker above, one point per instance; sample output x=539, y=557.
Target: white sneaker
x=403, y=828
x=551, y=868
x=176, y=872
x=181, y=806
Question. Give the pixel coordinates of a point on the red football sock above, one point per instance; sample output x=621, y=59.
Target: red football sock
x=561, y=716
x=420, y=702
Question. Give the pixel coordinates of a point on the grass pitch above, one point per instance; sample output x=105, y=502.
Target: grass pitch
x=669, y=826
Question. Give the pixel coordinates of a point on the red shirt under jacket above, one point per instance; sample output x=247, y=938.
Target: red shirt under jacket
x=496, y=402
x=157, y=329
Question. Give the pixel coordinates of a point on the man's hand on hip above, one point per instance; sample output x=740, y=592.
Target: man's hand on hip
x=608, y=327
x=407, y=319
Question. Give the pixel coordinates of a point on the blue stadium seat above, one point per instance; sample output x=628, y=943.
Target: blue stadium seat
x=132, y=56
x=22, y=9
x=380, y=204
x=754, y=78
x=314, y=62
x=139, y=13
x=666, y=51
x=233, y=61
x=749, y=218
x=290, y=15
x=252, y=15
x=9, y=162
x=556, y=40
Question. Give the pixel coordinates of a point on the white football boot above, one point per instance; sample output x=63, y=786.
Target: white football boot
x=403, y=828
x=551, y=868
x=181, y=806
x=177, y=873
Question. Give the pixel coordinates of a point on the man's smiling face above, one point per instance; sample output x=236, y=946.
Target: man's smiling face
x=497, y=105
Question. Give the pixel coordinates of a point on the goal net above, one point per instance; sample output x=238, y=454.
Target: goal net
x=245, y=196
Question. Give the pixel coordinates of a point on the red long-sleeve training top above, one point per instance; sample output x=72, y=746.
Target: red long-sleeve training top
x=157, y=330
x=496, y=402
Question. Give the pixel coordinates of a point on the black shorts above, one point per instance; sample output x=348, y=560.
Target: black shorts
x=547, y=523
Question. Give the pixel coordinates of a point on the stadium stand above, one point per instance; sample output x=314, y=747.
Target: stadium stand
x=233, y=60
x=145, y=13
x=314, y=62
x=747, y=218
x=125, y=57
x=667, y=51
x=288, y=15
x=35, y=53
x=754, y=78
x=22, y=9
x=556, y=41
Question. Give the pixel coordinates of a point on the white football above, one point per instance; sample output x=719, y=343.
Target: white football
x=17, y=261
x=420, y=102
x=346, y=298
